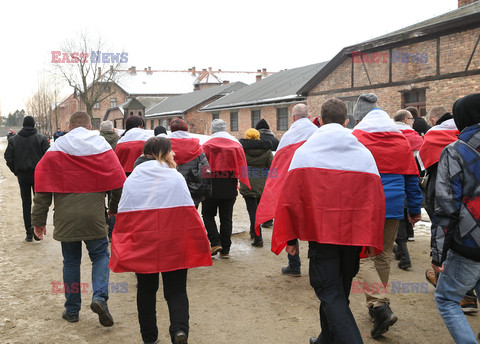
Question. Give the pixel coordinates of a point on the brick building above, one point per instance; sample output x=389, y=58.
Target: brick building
x=186, y=106
x=271, y=98
x=431, y=63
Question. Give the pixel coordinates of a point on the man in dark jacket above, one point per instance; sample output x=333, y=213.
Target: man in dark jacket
x=23, y=153
x=266, y=134
x=455, y=241
x=57, y=134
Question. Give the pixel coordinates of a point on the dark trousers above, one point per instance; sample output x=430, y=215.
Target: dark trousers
x=332, y=268
x=252, y=204
x=26, y=182
x=225, y=212
x=404, y=227
x=175, y=293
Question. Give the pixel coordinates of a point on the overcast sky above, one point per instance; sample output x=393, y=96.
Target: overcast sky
x=228, y=35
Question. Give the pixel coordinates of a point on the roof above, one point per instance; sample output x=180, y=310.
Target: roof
x=460, y=18
x=133, y=103
x=278, y=87
x=182, y=103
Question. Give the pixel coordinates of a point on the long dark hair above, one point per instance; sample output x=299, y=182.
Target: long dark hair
x=133, y=121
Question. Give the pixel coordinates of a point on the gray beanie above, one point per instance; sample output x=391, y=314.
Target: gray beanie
x=365, y=104
x=218, y=125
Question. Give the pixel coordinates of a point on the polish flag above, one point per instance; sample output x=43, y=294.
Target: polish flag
x=130, y=147
x=435, y=140
x=225, y=153
x=296, y=136
x=332, y=194
x=185, y=147
x=390, y=148
x=412, y=136
x=79, y=162
x=157, y=227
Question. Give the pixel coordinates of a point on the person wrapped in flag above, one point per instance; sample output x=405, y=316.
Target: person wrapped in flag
x=333, y=198
x=399, y=174
x=228, y=165
x=158, y=230
x=129, y=146
x=76, y=172
x=300, y=130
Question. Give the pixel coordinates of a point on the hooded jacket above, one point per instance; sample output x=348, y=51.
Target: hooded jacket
x=25, y=150
x=259, y=158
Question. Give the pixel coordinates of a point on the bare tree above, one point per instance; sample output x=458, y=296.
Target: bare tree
x=86, y=66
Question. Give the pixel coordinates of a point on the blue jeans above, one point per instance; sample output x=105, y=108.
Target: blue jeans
x=460, y=275
x=72, y=257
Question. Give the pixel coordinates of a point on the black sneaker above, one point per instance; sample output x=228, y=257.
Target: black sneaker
x=29, y=238
x=70, y=317
x=180, y=338
x=100, y=307
x=288, y=271
x=258, y=242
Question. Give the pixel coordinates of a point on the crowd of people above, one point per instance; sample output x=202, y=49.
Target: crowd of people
x=354, y=195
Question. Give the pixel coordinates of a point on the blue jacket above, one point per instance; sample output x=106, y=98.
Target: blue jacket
x=397, y=187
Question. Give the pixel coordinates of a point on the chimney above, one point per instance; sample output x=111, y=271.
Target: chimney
x=149, y=71
x=99, y=71
x=111, y=69
x=462, y=3
x=210, y=69
x=194, y=72
x=258, y=77
x=264, y=72
x=132, y=70
x=225, y=82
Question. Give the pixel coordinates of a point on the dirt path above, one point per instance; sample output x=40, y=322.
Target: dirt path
x=244, y=300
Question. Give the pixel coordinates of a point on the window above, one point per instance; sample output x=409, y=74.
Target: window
x=96, y=105
x=255, y=117
x=113, y=102
x=96, y=123
x=350, y=103
x=215, y=116
x=416, y=98
x=282, y=119
x=152, y=124
x=233, y=121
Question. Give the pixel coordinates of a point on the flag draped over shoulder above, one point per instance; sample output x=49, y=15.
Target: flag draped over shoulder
x=79, y=162
x=130, y=147
x=412, y=136
x=185, y=147
x=389, y=147
x=437, y=138
x=225, y=153
x=298, y=133
x=157, y=227
x=332, y=194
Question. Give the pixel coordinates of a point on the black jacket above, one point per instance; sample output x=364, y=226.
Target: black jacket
x=197, y=175
x=420, y=126
x=25, y=150
x=266, y=134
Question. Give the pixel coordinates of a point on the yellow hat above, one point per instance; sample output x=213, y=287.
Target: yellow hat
x=252, y=134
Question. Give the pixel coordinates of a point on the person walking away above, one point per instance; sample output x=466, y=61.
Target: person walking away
x=332, y=198
x=259, y=158
x=159, y=235
x=22, y=155
x=75, y=173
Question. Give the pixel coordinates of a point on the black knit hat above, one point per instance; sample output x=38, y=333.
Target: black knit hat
x=262, y=124
x=466, y=111
x=28, y=121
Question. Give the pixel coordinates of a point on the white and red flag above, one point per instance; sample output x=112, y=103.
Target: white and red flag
x=79, y=162
x=130, y=147
x=332, y=194
x=389, y=147
x=412, y=136
x=225, y=153
x=185, y=147
x=435, y=140
x=296, y=136
x=157, y=227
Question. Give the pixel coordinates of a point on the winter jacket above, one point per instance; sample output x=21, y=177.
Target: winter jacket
x=259, y=158
x=78, y=216
x=111, y=137
x=194, y=173
x=420, y=126
x=457, y=199
x=25, y=150
x=266, y=134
